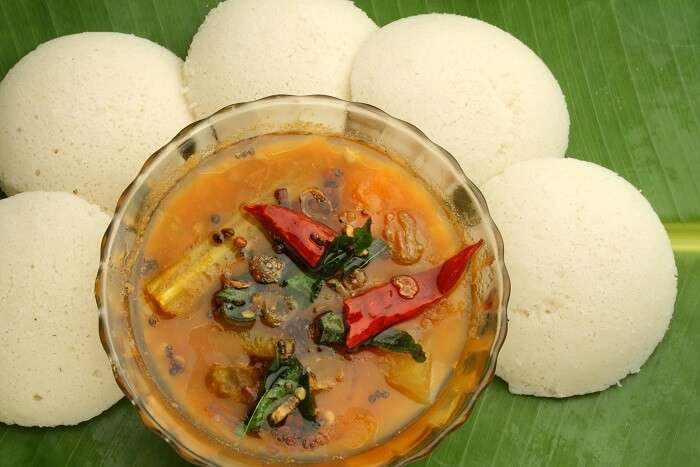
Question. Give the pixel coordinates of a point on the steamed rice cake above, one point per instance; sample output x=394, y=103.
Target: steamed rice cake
x=82, y=113
x=592, y=272
x=248, y=49
x=54, y=370
x=471, y=87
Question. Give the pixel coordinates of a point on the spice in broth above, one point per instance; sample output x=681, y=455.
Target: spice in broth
x=302, y=295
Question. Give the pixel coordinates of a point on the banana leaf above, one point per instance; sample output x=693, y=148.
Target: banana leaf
x=630, y=70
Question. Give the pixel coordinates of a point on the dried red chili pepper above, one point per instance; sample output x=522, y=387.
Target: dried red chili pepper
x=300, y=233
x=372, y=312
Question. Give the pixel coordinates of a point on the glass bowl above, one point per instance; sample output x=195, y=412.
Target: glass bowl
x=487, y=299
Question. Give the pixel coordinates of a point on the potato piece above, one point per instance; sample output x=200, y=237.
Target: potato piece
x=410, y=378
x=239, y=383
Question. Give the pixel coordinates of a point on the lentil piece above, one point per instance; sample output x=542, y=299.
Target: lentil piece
x=349, y=230
x=234, y=283
x=285, y=408
x=355, y=280
x=339, y=287
x=285, y=347
x=347, y=217
x=267, y=310
x=328, y=417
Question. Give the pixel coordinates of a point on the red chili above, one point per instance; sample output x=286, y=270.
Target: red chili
x=296, y=230
x=372, y=312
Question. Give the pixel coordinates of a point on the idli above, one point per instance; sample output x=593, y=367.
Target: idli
x=82, y=113
x=473, y=88
x=54, y=370
x=593, y=276
x=248, y=49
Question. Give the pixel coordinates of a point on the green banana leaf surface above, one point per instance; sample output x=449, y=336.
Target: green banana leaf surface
x=630, y=70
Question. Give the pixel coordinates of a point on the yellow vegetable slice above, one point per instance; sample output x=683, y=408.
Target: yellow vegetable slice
x=177, y=288
x=410, y=378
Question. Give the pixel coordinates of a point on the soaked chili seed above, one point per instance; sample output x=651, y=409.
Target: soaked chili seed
x=406, y=285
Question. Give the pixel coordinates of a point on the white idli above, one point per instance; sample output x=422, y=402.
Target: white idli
x=473, y=88
x=248, y=49
x=54, y=370
x=82, y=113
x=593, y=276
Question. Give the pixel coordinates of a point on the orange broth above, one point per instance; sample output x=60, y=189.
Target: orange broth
x=364, y=408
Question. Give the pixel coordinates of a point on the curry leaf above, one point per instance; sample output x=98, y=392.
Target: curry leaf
x=329, y=329
x=236, y=314
x=397, y=340
x=283, y=377
x=344, y=254
x=362, y=237
x=265, y=405
x=377, y=248
x=237, y=297
x=342, y=257
x=316, y=289
x=336, y=255
x=303, y=286
x=307, y=407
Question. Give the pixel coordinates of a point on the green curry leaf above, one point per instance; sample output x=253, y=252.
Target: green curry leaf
x=265, y=405
x=302, y=285
x=236, y=314
x=236, y=297
x=362, y=237
x=307, y=407
x=377, y=248
x=345, y=253
x=231, y=305
x=316, y=289
x=284, y=375
x=397, y=340
x=330, y=329
x=342, y=257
